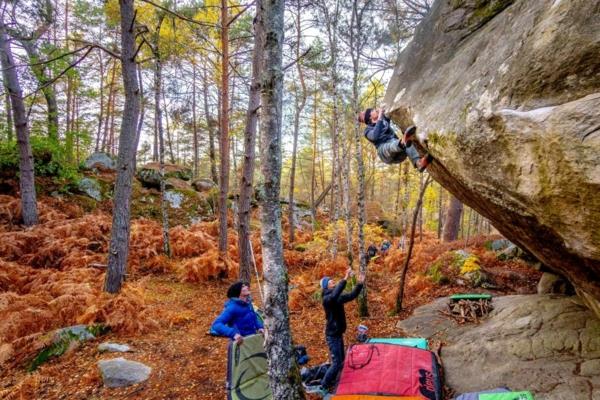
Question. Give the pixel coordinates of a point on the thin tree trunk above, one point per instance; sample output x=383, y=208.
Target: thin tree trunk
x=453, y=218
x=26, y=173
x=405, y=205
x=161, y=142
x=9, y=120
x=119, y=244
x=356, y=45
x=313, y=175
x=211, y=131
x=284, y=376
x=469, y=221
x=421, y=212
x=300, y=103
x=194, y=120
x=111, y=94
x=142, y=113
x=440, y=213
x=224, y=128
x=172, y=154
x=416, y=213
x=99, y=132
x=247, y=179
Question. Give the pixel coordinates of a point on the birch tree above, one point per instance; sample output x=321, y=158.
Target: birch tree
x=283, y=374
x=11, y=82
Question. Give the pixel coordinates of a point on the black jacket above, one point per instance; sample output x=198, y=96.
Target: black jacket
x=380, y=132
x=333, y=303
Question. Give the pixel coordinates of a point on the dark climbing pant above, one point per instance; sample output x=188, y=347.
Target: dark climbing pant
x=394, y=152
x=336, y=351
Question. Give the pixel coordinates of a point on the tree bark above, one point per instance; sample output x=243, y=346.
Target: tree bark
x=440, y=212
x=356, y=45
x=119, y=244
x=410, y=246
x=313, y=174
x=283, y=373
x=26, y=172
x=100, y=115
x=194, y=120
x=224, y=130
x=300, y=103
x=247, y=179
x=9, y=120
x=211, y=131
x=161, y=141
x=453, y=218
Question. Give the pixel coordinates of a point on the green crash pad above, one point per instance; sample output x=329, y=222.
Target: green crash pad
x=420, y=343
x=247, y=377
x=470, y=296
x=506, y=396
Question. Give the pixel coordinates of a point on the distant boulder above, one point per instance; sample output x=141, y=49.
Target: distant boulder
x=91, y=188
x=100, y=162
x=149, y=174
x=203, y=185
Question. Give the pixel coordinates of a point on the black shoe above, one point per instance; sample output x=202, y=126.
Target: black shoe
x=409, y=133
x=424, y=162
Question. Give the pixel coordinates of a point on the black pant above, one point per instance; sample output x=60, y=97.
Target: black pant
x=336, y=351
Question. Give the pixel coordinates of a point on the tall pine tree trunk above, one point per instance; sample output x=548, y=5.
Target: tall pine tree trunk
x=453, y=218
x=224, y=128
x=356, y=45
x=300, y=103
x=101, y=111
x=119, y=243
x=27, y=178
x=247, y=179
x=284, y=376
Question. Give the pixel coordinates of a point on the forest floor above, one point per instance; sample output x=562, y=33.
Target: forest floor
x=48, y=280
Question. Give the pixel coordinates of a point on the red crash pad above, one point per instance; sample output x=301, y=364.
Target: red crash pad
x=390, y=370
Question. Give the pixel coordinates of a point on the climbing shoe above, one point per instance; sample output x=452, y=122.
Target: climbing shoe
x=409, y=133
x=424, y=162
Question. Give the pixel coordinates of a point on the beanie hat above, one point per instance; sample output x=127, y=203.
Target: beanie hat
x=235, y=290
x=368, y=115
x=324, y=282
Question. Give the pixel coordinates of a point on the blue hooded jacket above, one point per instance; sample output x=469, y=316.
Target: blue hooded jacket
x=237, y=317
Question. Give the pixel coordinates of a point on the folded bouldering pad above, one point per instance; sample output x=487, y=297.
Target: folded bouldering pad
x=475, y=395
x=506, y=396
x=471, y=296
x=421, y=343
x=372, y=397
x=247, y=376
x=390, y=370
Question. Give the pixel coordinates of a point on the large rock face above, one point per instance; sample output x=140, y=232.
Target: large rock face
x=544, y=343
x=507, y=94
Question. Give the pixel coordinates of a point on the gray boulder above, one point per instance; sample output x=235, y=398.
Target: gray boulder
x=80, y=332
x=506, y=94
x=203, y=185
x=113, y=348
x=550, y=283
x=91, y=188
x=120, y=372
x=174, y=198
x=553, y=341
x=100, y=162
x=149, y=174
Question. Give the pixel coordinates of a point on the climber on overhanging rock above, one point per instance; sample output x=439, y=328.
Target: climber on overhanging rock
x=390, y=149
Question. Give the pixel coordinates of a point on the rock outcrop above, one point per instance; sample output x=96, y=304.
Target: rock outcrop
x=506, y=95
x=547, y=344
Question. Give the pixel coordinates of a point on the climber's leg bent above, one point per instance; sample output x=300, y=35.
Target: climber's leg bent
x=409, y=134
x=391, y=152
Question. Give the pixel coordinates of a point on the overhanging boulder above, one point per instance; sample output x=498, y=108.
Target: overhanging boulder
x=506, y=95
